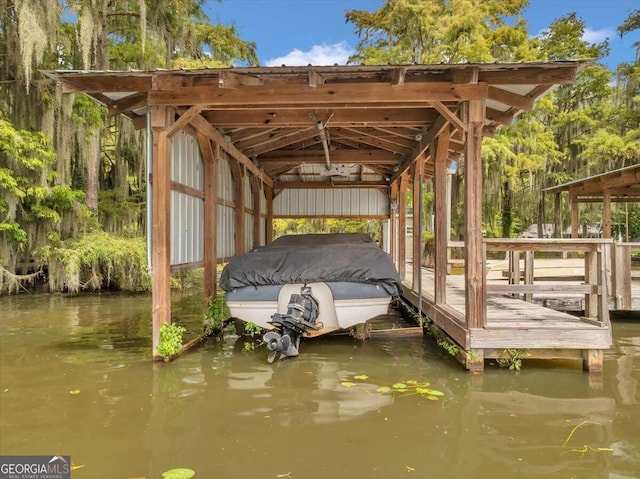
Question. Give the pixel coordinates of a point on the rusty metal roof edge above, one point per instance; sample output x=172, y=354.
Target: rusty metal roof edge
x=496, y=66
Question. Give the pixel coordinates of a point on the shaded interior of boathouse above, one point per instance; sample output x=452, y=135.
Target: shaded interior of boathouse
x=230, y=150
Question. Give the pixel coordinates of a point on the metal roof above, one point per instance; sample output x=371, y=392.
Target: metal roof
x=620, y=184
x=356, y=123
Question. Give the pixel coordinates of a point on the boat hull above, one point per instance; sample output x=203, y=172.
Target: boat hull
x=341, y=305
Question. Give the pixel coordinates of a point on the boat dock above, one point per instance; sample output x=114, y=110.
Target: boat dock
x=525, y=303
x=231, y=150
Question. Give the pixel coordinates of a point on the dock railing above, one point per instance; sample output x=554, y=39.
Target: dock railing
x=597, y=270
x=621, y=275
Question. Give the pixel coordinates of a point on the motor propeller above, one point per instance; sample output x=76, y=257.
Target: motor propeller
x=277, y=343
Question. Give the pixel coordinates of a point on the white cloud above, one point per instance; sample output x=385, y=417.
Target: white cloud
x=597, y=36
x=319, y=55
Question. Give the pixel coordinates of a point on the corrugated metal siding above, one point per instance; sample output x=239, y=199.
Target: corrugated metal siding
x=263, y=203
x=248, y=218
x=187, y=233
x=248, y=193
x=331, y=202
x=226, y=232
x=186, y=162
x=248, y=232
x=263, y=214
x=225, y=214
x=224, y=180
x=263, y=231
x=187, y=212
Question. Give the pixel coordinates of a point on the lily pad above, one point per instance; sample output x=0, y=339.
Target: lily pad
x=383, y=389
x=361, y=377
x=348, y=384
x=74, y=391
x=399, y=386
x=179, y=473
x=434, y=392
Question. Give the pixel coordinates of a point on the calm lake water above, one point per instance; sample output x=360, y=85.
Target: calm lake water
x=76, y=378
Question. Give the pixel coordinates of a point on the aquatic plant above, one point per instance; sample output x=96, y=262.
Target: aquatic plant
x=401, y=388
x=252, y=329
x=216, y=313
x=449, y=347
x=179, y=473
x=511, y=359
x=170, y=339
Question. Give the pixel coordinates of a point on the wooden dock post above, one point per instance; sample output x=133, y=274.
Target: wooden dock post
x=161, y=224
x=475, y=311
x=440, y=157
x=209, y=158
x=402, y=225
x=593, y=360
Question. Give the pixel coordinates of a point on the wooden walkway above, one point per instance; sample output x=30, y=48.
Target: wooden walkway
x=511, y=324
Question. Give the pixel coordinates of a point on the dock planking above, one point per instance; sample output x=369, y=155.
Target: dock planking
x=512, y=324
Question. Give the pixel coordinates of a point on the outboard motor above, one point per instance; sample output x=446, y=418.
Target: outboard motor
x=302, y=312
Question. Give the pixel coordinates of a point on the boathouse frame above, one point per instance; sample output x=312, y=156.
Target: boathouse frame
x=617, y=186
x=232, y=149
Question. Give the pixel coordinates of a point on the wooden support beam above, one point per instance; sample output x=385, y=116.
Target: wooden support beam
x=279, y=141
x=504, y=118
x=402, y=225
x=268, y=192
x=425, y=140
x=591, y=277
x=209, y=157
x=451, y=116
x=227, y=79
x=393, y=224
x=397, y=76
x=593, y=361
x=315, y=79
x=574, y=215
x=309, y=185
x=184, y=120
x=238, y=188
x=128, y=103
x=368, y=156
x=202, y=125
x=606, y=215
x=440, y=148
x=160, y=224
x=326, y=95
x=257, y=202
x=269, y=118
x=105, y=83
x=475, y=306
x=509, y=98
x=416, y=174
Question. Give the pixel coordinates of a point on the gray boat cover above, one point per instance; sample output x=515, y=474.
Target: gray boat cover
x=349, y=257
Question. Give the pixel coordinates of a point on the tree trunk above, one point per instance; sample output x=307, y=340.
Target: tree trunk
x=507, y=202
x=92, y=169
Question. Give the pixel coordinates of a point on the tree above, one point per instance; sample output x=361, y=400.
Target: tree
x=94, y=153
x=434, y=31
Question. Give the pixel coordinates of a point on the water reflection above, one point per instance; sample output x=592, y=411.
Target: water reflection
x=227, y=413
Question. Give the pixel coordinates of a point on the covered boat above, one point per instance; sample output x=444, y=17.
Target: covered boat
x=309, y=285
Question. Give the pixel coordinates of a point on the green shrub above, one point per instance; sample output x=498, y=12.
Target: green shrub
x=95, y=261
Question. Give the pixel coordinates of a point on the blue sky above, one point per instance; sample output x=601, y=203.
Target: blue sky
x=302, y=32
